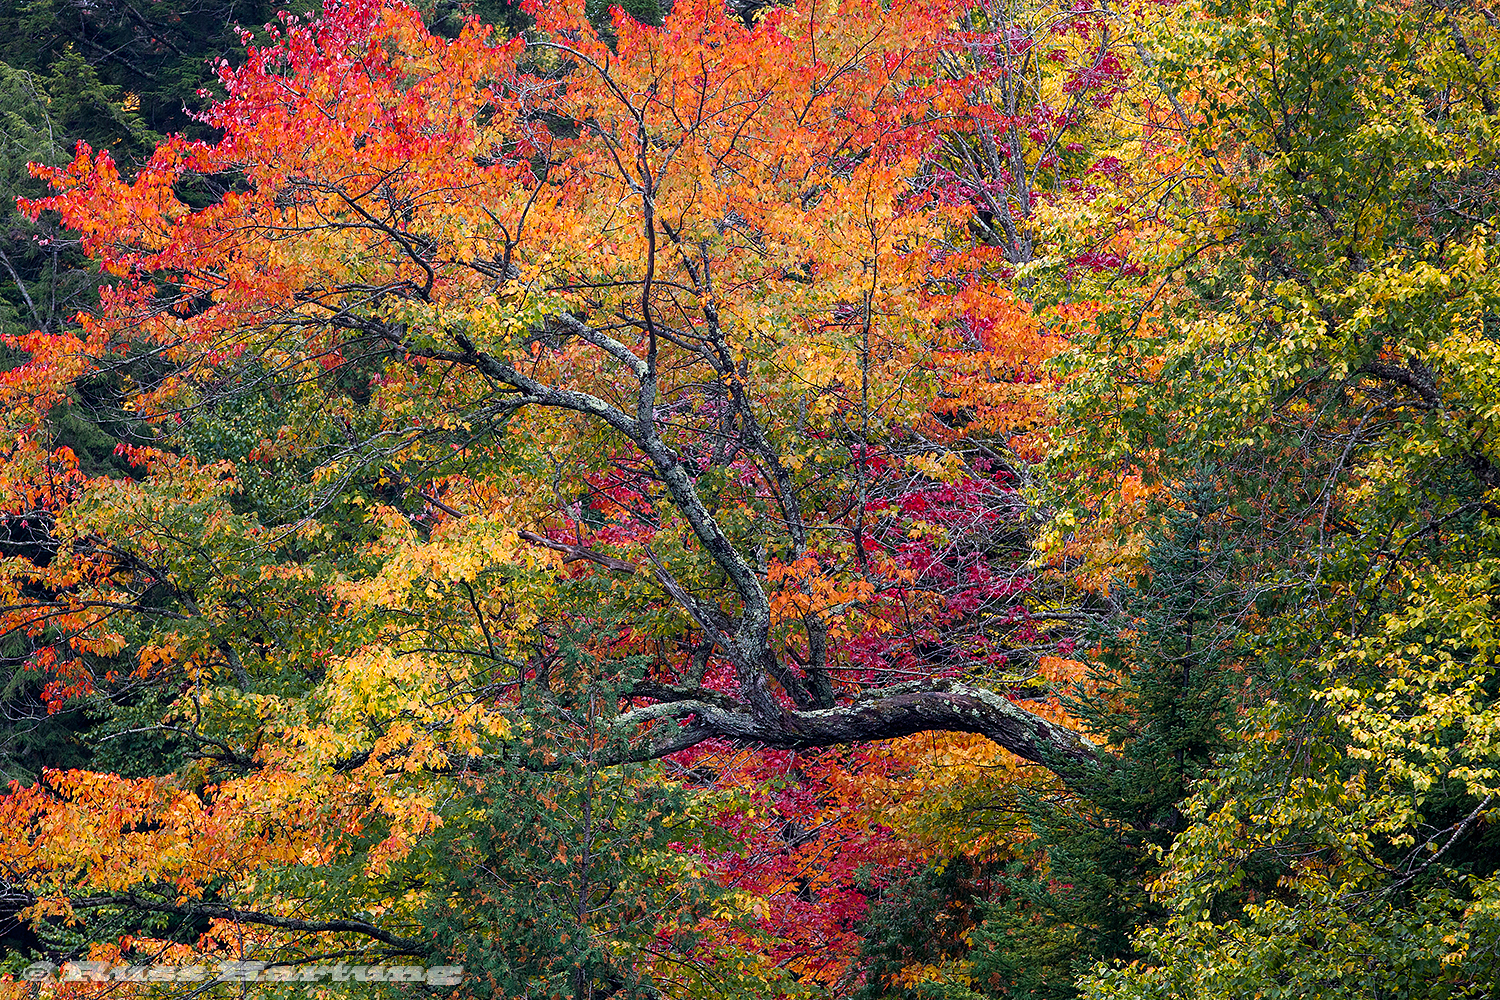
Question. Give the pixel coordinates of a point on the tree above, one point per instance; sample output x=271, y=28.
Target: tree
x=560, y=877
x=49, y=279
x=1038, y=78
x=1159, y=696
x=485, y=337
x=830, y=186
x=1155, y=692
x=1328, y=346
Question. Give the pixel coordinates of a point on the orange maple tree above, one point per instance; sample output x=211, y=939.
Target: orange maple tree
x=672, y=340
x=702, y=283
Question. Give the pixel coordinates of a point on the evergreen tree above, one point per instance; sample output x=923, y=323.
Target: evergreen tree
x=1159, y=698
x=1158, y=695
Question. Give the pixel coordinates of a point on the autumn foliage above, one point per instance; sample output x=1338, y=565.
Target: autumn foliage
x=628, y=508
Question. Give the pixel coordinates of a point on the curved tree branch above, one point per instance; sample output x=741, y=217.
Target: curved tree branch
x=942, y=706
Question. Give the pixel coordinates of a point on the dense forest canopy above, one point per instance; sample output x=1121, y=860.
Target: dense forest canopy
x=912, y=500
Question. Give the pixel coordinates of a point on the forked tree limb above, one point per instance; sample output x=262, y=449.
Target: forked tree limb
x=684, y=717
x=744, y=638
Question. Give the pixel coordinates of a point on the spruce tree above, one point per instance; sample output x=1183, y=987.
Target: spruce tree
x=1158, y=693
x=1159, y=697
